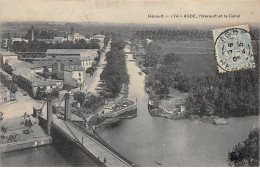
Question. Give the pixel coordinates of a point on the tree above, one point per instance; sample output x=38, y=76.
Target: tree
x=80, y=97
x=1, y=116
x=13, y=88
x=90, y=70
x=247, y=153
x=38, y=93
x=45, y=70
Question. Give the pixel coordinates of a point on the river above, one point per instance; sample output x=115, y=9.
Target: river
x=43, y=156
x=146, y=140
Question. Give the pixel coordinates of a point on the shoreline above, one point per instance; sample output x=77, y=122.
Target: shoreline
x=163, y=113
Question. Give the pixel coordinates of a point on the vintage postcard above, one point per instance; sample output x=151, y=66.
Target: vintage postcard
x=129, y=83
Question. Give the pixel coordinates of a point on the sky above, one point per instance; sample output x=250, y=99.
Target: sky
x=129, y=11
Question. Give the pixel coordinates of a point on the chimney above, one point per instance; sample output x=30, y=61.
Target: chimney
x=32, y=34
x=67, y=107
x=72, y=34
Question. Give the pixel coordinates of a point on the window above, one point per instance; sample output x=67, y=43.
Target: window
x=79, y=79
x=79, y=74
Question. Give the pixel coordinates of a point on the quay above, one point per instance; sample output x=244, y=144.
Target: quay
x=17, y=136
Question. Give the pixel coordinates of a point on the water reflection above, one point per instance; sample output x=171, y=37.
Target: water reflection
x=148, y=140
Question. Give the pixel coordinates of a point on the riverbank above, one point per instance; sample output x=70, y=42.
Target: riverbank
x=21, y=133
x=97, y=121
x=150, y=139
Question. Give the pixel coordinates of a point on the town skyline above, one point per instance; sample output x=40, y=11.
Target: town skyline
x=129, y=11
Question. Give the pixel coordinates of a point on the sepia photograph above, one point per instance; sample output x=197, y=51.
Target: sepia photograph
x=129, y=83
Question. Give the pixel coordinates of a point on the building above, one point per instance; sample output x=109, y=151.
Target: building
x=14, y=63
x=48, y=41
x=19, y=40
x=39, y=66
x=6, y=55
x=5, y=94
x=86, y=56
x=74, y=76
x=60, y=66
x=148, y=41
x=31, y=82
x=98, y=37
x=88, y=59
x=58, y=40
x=24, y=74
x=75, y=36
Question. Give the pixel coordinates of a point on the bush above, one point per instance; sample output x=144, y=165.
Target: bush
x=247, y=153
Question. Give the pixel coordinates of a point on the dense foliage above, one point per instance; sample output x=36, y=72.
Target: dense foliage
x=115, y=74
x=164, y=76
x=41, y=94
x=226, y=94
x=153, y=55
x=80, y=97
x=247, y=153
x=94, y=102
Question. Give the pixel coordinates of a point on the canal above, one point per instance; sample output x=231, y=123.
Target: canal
x=151, y=141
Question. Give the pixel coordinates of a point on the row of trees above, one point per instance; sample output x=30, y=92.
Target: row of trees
x=107, y=39
x=175, y=34
x=40, y=46
x=115, y=74
x=181, y=34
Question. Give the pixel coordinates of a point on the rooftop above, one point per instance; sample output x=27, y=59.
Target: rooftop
x=67, y=63
x=37, y=80
x=74, y=68
x=37, y=64
x=7, y=53
x=65, y=57
x=66, y=51
x=98, y=36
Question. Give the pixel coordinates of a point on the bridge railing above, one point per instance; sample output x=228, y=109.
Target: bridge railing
x=77, y=143
x=99, y=140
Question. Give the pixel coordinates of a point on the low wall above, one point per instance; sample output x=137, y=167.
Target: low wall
x=127, y=109
x=14, y=146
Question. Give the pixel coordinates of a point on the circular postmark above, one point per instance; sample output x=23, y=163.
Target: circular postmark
x=234, y=50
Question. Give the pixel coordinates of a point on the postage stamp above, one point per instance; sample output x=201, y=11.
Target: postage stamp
x=233, y=48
